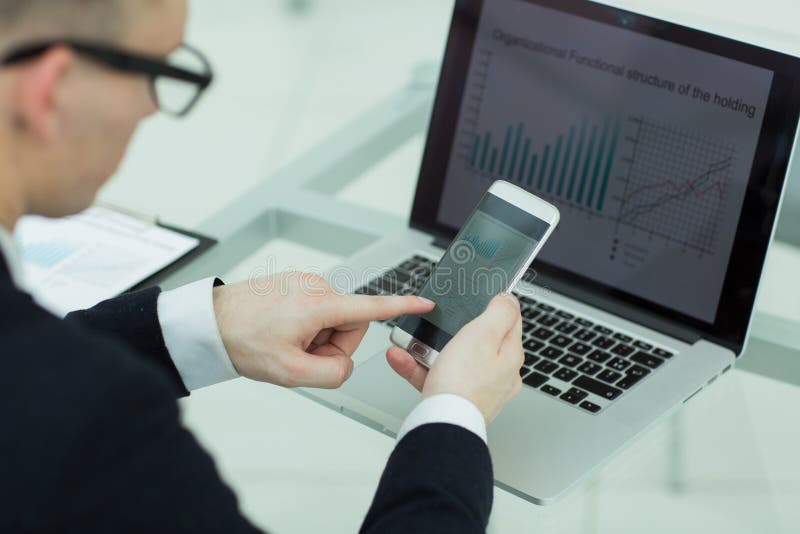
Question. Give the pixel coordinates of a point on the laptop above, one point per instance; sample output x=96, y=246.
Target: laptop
x=665, y=149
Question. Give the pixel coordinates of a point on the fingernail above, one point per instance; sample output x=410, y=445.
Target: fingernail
x=426, y=301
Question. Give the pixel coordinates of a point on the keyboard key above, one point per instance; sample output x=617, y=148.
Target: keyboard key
x=583, y=322
x=599, y=356
x=566, y=328
x=567, y=375
x=580, y=349
x=417, y=282
x=523, y=371
x=546, y=366
x=370, y=290
x=389, y=284
x=663, y=353
x=632, y=377
x=618, y=364
x=584, y=335
x=647, y=359
x=400, y=276
x=551, y=353
x=560, y=341
x=638, y=371
x=590, y=407
x=574, y=396
x=527, y=301
x=530, y=359
x=629, y=381
x=623, y=350
x=565, y=315
x=543, y=333
x=623, y=338
x=532, y=345
x=642, y=345
x=550, y=390
x=531, y=314
x=422, y=267
x=570, y=360
x=548, y=320
x=589, y=368
x=544, y=307
x=609, y=376
x=407, y=266
x=604, y=342
x=603, y=330
x=598, y=388
x=535, y=379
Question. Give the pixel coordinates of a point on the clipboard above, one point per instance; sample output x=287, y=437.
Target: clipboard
x=205, y=244
x=77, y=261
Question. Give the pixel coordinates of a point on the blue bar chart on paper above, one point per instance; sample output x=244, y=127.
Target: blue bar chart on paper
x=574, y=165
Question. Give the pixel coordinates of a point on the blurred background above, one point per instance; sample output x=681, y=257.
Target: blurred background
x=291, y=72
x=290, y=75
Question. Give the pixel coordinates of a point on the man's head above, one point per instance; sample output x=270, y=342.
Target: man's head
x=65, y=120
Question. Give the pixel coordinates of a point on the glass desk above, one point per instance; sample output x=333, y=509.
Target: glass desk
x=727, y=461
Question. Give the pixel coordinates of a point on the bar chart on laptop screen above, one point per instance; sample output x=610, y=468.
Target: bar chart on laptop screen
x=667, y=182
x=646, y=147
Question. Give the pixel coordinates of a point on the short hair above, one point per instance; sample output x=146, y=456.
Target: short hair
x=25, y=20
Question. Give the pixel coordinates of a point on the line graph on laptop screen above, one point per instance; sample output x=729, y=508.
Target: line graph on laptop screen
x=645, y=146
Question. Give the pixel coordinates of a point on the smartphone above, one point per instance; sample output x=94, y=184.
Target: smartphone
x=489, y=256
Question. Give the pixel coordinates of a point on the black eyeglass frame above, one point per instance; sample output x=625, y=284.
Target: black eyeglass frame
x=121, y=60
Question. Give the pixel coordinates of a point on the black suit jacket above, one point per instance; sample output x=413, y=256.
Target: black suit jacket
x=91, y=439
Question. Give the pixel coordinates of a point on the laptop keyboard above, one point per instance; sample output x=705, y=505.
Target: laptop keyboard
x=576, y=360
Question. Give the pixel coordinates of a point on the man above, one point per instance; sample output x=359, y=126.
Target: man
x=91, y=440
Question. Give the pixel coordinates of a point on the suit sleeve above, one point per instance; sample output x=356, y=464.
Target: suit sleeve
x=438, y=479
x=133, y=319
x=107, y=453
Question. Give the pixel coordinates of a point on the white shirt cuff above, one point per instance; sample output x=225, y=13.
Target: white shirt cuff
x=445, y=408
x=189, y=326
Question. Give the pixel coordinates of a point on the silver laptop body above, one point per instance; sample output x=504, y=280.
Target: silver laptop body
x=544, y=443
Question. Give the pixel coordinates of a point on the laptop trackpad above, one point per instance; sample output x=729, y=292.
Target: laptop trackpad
x=375, y=383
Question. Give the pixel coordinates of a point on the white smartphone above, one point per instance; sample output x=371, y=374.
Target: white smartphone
x=489, y=256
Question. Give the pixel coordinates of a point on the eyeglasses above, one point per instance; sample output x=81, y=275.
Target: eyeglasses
x=176, y=82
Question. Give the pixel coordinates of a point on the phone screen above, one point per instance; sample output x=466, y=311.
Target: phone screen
x=483, y=260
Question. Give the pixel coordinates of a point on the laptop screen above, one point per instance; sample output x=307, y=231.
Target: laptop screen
x=647, y=143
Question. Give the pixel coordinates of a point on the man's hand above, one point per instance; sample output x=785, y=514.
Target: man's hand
x=481, y=363
x=293, y=330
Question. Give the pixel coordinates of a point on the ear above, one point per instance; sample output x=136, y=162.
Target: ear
x=37, y=88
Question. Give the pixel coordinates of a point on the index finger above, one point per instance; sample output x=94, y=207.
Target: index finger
x=352, y=309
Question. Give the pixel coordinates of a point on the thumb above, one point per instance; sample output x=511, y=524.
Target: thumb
x=302, y=369
x=407, y=367
x=499, y=319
